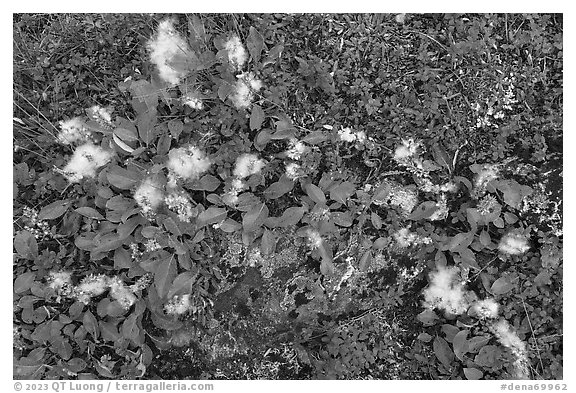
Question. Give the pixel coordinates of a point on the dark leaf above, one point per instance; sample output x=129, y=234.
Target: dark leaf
x=90, y=324
x=24, y=282
x=460, y=344
x=164, y=275
x=342, y=192
x=53, y=210
x=290, y=217
x=279, y=188
x=255, y=217
x=130, y=328
x=443, y=352
x=90, y=213
x=472, y=373
x=212, y=215
x=268, y=242
x=315, y=193
x=122, y=178
x=255, y=44
x=256, y=117
x=183, y=284
x=26, y=245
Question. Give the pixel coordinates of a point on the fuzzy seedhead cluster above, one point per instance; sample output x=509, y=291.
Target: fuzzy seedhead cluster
x=95, y=285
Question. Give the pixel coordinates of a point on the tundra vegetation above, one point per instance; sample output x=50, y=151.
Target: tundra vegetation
x=278, y=196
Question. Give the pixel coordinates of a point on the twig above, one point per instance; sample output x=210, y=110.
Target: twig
x=533, y=336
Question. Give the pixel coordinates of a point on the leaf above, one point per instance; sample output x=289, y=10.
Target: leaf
x=342, y=192
x=26, y=245
x=499, y=222
x=450, y=331
x=255, y=44
x=163, y=144
x=76, y=365
x=90, y=324
x=315, y=193
x=424, y=210
x=485, y=239
x=459, y=241
x=424, y=337
x=460, y=344
x=274, y=54
x=226, y=88
x=443, y=352
x=130, y=328
x=255, y=217
x=108, y=242
x=90, y=213
x=229, y=225
x=427, y=317
x=197, y=30
x=381, y=193
x=472, y=373
x=207, y=183
x=487, y=356
x=145, y=96
x=343, y=219
x=175, y=127
x=212, y=215
x=62, y=347
x=183, y=284
x=365, y=261
x=468, y=258
x=477, y=342
x=125, y=134
x=256, y=117
x=441, y=157
x=279, y=188
x=122, y=145
x=24, y=282
x=53, y=210
x=376, y=220
x=290, y=217
x=123, y=178
x=262, y=138
x=171, y=226
x=327, y=264
x=315, y=138
x=464, y=181
x=164, y=275
x=145, y=123
x=501, y=286
x=513, y=192
x=268, y=242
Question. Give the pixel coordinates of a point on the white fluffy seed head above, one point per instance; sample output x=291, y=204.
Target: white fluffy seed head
x=248, y=164
x=314, y=239
x=510, y=339
x=73, y=131
x=513, y=244
x=237, y=55
x=57, y=280
x=187, y=162
x=293, y=170
x=84, y=162
x=178, y=305
x=485, y=309
x=296, y=150
x=168, y=52
x=93, y=285
x=121, y=293
x=149, y=195
x=244, y=90
x=446, y=292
